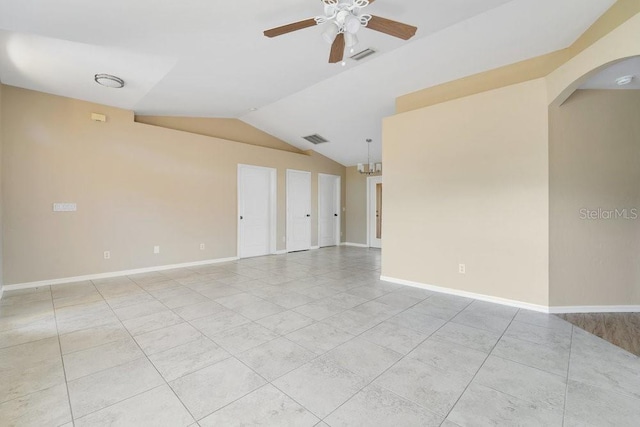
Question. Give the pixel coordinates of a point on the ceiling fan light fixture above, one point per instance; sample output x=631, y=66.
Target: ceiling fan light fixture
x=350, y=39
x=352, y=24
x=107, y=80
x=330, y=34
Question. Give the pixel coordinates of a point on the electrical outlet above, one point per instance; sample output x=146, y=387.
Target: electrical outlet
x=462, y=269
x=202, y=246
x=156, y=249
x=107, y=254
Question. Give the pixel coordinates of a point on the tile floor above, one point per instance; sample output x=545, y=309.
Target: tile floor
x=303, y=339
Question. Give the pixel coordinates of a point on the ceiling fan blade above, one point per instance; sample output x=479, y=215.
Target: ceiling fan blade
x=337, y=49
x=289, y=28
x=393, y=28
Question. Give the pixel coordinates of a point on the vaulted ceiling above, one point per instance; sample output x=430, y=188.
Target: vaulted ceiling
x=208, y=58
x=607, y=77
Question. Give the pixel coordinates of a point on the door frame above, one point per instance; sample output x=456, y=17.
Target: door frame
x=338, y=219
x=371, y=183
x=288, y=223
x=273, y=206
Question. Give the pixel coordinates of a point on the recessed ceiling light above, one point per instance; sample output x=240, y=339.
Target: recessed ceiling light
x=108, y=80
x=623, y=81
x=253, y=109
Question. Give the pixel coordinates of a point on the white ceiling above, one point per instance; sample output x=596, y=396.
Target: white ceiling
x=209, y=58
x=606, y=78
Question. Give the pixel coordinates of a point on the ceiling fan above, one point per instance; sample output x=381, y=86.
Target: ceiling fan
x=344, y=19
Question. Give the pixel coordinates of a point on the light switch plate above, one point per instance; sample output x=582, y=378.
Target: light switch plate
x=64, y=207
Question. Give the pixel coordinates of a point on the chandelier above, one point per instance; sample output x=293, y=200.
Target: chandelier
x=370, y=168
x=344, y=17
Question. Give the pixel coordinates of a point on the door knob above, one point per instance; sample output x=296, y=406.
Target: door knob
x=335, y=214
x=308, y=215
x=241, y=217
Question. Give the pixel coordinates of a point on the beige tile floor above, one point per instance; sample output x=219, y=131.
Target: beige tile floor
x=304, y=339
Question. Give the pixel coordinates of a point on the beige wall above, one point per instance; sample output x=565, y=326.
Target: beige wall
x=466, y=181
x=136, y=186
x=229, y=129
x=356, y=206
x=594, y=153
x=468, y=177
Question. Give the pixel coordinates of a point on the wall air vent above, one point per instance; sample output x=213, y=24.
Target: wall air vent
x=315, y=139
x=361, y=55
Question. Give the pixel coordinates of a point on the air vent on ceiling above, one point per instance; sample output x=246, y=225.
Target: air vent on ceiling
x=363, y=54
x=315, y=139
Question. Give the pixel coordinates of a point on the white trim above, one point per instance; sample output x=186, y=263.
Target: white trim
x=284, y=252
x=115, y=274
x=288, y=222
x=519, y=304
x=595, y=309
x=273, y=177
x=355, y=245
x=338, y=219
x=377, y=179
x=1, y=291
x=456, y=292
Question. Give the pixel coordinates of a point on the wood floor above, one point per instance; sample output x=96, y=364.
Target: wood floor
x=621, y=329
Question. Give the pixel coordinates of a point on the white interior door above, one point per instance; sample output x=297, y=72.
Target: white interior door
x=328, y=210
x=298, y=210
x=374, y=211
x=256, y=211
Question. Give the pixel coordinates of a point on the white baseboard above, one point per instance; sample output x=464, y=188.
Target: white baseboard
x=114, y=274
x=595, y=309
x=519, y=304
x=355, y=245
x=459, y=293
x=311, y=248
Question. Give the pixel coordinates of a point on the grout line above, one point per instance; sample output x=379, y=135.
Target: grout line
x=392, y=365
x=317, y=356
x=231, y=355
x=481, y=366
x=64, y=369
x=151, y=363
x=566, y=391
